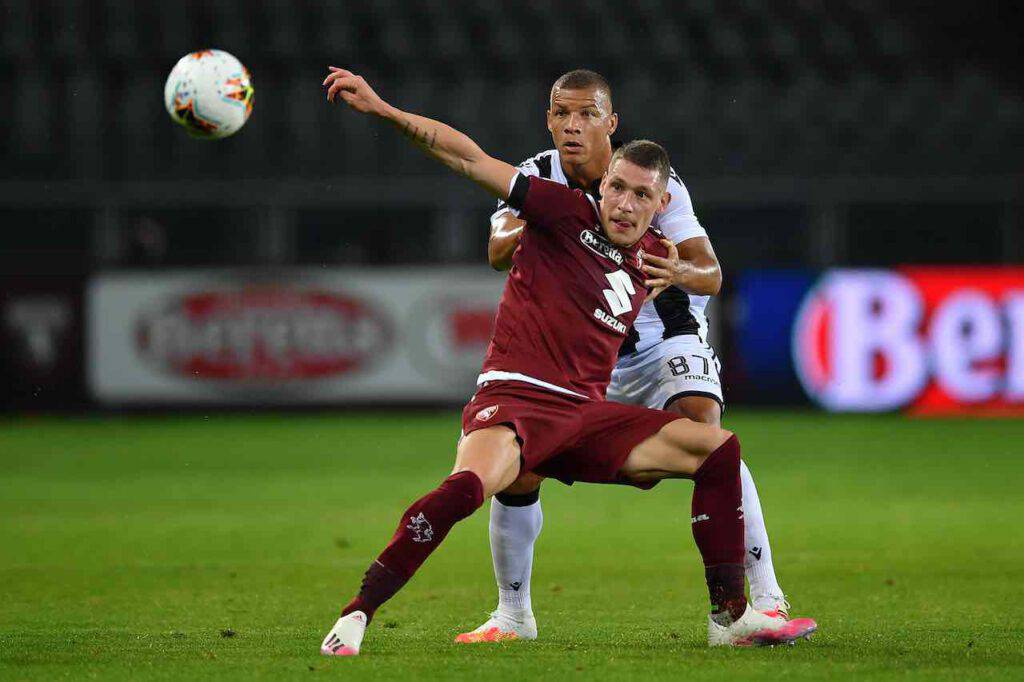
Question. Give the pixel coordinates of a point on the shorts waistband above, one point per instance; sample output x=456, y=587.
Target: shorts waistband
x=498, y=375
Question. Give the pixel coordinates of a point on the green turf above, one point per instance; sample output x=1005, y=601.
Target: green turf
x=134, y=547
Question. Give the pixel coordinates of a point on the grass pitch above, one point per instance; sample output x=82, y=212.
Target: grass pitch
x=222, y=547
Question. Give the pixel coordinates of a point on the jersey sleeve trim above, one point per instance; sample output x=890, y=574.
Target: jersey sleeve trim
x=517, y=190
x=530, y=166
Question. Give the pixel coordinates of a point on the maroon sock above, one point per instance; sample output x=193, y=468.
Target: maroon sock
x=717, y=522
x=422, y=528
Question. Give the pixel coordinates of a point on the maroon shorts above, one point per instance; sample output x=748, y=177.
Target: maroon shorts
x=563, y=437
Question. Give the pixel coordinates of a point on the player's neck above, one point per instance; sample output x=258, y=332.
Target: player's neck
x=586, y=174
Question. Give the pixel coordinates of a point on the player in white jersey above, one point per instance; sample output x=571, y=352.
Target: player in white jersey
x=665, y=362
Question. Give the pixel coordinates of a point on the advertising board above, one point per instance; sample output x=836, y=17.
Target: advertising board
x=289, y=337
x=931, y=340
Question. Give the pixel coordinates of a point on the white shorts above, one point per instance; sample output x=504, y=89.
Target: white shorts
x=677, y=367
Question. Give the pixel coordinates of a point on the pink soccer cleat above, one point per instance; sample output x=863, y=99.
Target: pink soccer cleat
x=501, y=627
x=759, y=628
x=798, y=628
x=489, y=635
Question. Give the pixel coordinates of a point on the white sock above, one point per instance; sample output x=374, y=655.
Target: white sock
x=758, y=557
x=514, y=531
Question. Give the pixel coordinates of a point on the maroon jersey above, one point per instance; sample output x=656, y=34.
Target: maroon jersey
x=571, y=295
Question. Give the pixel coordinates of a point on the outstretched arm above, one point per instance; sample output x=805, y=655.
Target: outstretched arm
x=444, y=143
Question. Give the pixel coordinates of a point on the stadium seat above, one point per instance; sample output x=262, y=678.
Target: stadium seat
x=748, y=86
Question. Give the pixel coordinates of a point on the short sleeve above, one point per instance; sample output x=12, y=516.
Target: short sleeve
x=528, y=168
x=678, y=221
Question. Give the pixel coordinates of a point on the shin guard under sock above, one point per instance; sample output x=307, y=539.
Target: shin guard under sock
x=717, y=524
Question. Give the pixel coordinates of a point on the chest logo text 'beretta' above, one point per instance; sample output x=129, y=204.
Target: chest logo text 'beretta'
x=600, y=246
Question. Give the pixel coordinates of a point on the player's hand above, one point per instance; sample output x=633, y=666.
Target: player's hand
x=354, y=91
x=663, y=272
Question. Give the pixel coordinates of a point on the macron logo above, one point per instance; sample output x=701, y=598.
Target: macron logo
x=699, y=518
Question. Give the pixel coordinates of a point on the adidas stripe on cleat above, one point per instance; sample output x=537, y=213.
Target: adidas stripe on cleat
x=346, y=636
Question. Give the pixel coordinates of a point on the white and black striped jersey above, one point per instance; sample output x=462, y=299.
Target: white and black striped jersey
x=674, y=312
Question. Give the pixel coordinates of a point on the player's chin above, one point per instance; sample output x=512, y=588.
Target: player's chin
x=620, y=234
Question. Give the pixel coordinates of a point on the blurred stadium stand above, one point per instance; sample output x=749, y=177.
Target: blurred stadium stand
x=775, y=113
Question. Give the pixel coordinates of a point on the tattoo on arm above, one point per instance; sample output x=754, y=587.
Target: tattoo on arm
x=419, y=136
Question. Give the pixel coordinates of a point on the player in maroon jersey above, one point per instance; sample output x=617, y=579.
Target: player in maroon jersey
x=575, y=288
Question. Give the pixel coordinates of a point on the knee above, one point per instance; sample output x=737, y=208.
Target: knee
x=527, y=483
x=697, y=408
x=493, y=455
x=712, y=439
x=720, y=437
x=722, y=462
x=708, y=414
x=463, y=493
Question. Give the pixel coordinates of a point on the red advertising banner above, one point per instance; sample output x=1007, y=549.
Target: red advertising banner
x=974, y=323
x=263, y=332
x=932, y=340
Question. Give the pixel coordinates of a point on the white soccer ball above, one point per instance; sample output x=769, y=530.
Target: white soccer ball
x=209, y=93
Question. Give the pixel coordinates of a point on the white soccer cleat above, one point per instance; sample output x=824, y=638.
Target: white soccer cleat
x=346, y=636
x=756, y=628
x=501, y=627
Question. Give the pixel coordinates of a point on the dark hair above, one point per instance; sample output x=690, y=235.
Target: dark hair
x=580, y=79
x=646, y=154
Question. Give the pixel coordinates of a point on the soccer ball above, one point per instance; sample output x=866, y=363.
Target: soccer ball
x=209, y=93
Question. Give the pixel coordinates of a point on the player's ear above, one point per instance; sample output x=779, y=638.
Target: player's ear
x=613, y=123
x=666, y=197
x=548, y=121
